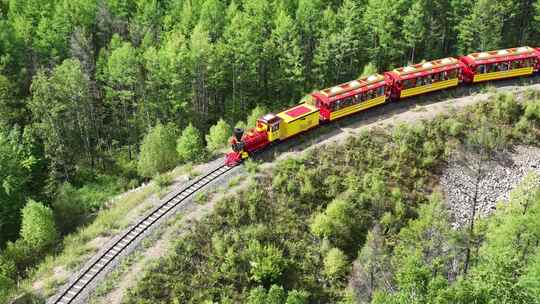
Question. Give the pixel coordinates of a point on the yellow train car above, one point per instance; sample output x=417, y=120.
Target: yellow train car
x=298, y=119
x=289, y=122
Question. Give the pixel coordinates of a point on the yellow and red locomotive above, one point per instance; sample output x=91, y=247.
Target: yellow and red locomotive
x=363, y=93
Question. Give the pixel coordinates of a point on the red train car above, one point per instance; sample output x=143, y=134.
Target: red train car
x=351, y=97
x=426, y=77
x=500, y=64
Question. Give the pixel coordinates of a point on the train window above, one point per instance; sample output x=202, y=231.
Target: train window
x=436, y=77
x=527, y=63
x=358, y=98
x=380, y=91
x=275, y=127
x=444, y=75
x=517, y=64
x=407, y=83
x=452, y=74
x=365, y=96
x=347, y=102
x=481, y=69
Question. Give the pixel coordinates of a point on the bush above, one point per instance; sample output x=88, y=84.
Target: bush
x=189, y=145
x=163, y=181
x=335, y=264
x=218, y=136
x=255, y=114
x=158, y=151
x=369, y=69
x=70, y=210
x=267, y=262
x=7, y=271
x=38, y=229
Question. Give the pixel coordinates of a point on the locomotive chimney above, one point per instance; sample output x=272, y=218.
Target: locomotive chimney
x=238, y=132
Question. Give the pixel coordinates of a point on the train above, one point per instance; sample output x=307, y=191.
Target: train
x=367, y=92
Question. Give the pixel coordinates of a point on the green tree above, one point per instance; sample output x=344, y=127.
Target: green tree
x=189, y=146
x=7, y=271
x=38, y=229
x=413, y=27
x=62, y=111
x=70, y=210
x=218, y=136
x=482, y=29
x=368, y=70
x=158, y=151
x=17, y=163
x=266, y=262
x=276, y=295
x=255, y=114
x=257, y=296
x=297, y=297
x=337, y=224
x=383, y=38
x=335, y=264
x=286, y=44
x=120, y=74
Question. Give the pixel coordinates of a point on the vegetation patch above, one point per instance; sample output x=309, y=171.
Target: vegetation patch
x=299, y=229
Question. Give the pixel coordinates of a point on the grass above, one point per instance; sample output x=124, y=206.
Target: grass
x=201, y=198
x=162, y=183
x=77, y=247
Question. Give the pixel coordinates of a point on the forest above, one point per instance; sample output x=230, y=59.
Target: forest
x=91, y=89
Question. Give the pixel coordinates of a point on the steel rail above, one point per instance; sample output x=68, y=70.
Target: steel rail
x=76, y=287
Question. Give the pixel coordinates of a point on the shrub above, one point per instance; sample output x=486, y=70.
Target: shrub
x=255, y=114
x=38, y=229
x=70, y=210
x=158, y=151
x=335, y=264
x=7, y=271
x=532, y=111
x=266, y=262
x=218, y=136
x=163, y=181
x=189, y=145
x=505, y=108
x=369, y=69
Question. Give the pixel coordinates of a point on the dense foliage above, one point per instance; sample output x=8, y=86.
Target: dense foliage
x=83, y=81
x=370, y=229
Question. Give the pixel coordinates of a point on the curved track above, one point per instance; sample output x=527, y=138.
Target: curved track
x=77, y=286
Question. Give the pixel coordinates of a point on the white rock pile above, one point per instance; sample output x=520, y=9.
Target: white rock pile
x=500, y=178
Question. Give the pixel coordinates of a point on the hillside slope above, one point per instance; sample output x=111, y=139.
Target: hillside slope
x=294, y=234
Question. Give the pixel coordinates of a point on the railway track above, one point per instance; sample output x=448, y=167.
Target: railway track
x=76, y=287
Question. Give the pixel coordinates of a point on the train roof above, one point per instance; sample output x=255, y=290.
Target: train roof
x=426, y=68
x=297, y=112
x=350, y=88
x=518, y=53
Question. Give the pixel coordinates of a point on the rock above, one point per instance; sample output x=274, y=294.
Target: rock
x=501, y=177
